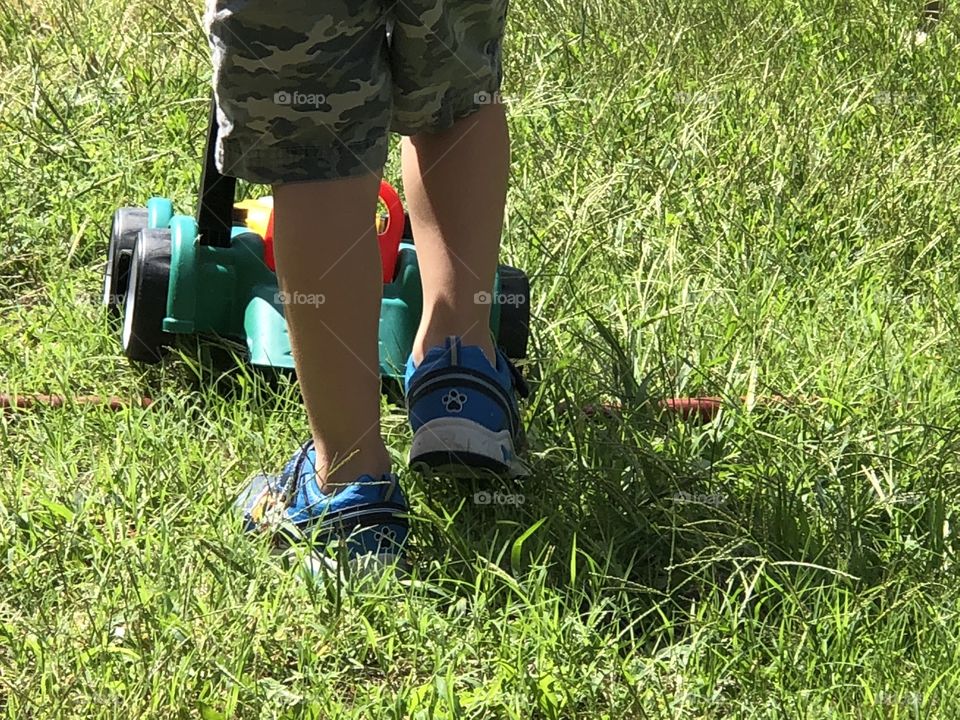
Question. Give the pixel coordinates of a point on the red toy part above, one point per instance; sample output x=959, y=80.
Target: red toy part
x=268, y=245
x=389, y=239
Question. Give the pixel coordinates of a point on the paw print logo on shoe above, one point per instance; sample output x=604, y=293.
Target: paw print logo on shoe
x=385, y=536
x=454, y=401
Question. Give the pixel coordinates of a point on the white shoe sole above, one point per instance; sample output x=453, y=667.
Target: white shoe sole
x=370, y=565
x=463, y=448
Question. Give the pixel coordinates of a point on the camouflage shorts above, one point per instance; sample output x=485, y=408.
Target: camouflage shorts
x=307, y=89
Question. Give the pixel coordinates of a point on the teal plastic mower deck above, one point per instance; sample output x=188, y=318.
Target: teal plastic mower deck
x=170, y=276
x=230, y=292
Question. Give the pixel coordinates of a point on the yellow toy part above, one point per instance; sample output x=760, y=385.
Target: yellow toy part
x=256, y=213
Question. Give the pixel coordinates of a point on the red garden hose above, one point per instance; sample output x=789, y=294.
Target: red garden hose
x=32, y=400
x=702, y=408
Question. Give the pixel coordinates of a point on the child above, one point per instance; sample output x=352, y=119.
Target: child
x=306, y=92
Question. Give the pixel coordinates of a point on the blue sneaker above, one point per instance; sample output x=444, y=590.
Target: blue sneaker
x=369, y=515
x=464, y=412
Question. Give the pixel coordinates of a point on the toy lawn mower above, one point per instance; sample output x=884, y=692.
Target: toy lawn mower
x=213, y=275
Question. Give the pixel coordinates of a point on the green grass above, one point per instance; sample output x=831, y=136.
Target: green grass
x=731, y=199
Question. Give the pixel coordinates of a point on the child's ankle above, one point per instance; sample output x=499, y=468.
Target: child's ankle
x=346, y=472
x=425, y=342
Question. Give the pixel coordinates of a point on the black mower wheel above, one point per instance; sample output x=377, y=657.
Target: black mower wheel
x=145, y=303
x=514, y=297
x=127, y=222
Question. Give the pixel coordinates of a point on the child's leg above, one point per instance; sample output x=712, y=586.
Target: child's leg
x=455, y=182
x=461, y=396
x=446, y=73
x=304, y=98
x=326, y=242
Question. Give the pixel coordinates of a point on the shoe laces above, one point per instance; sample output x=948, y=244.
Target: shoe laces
x=291, y=487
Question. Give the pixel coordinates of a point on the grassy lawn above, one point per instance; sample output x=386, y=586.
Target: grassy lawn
x=733, y=199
